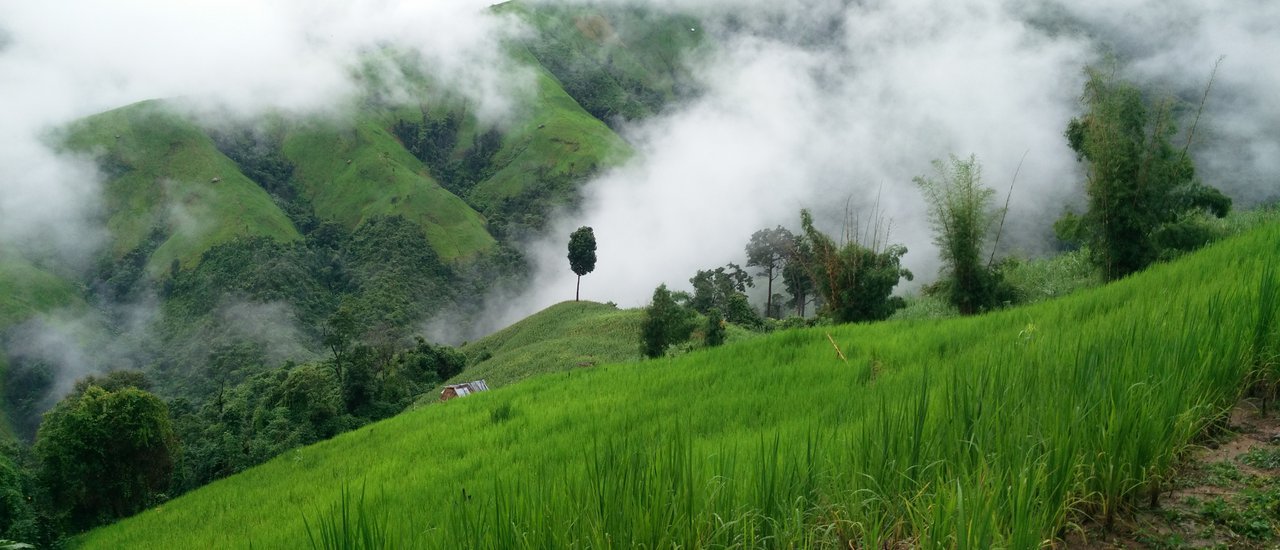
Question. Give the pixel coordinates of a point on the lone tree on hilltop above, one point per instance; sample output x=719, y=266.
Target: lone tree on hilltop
x=582, y=255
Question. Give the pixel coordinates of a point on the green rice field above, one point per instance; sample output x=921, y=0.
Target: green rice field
x=1006, y=430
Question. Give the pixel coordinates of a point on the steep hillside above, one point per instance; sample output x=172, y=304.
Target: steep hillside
x=167, y=182
x=26, y=290
x=992, y=431
x=301, y=216
x=546, y=155
x=618, y=62
x=352, y=174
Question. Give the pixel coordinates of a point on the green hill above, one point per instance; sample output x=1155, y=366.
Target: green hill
x=353, y=174
x=550, y=151
x=186, y=190
x=566, y=336
x=27, y=290
x=562, y=337
x=992, y=431
x=251, y=237
x=618, y=62
x=166, y=176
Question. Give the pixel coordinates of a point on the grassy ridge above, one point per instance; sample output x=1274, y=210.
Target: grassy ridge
x=563, y=337
x=990, y=431
x=165, y=173
x=352, y=174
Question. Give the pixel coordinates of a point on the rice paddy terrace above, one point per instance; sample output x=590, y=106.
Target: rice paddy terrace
x=1003, y=430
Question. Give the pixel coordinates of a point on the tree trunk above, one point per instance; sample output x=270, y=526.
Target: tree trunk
x=768, y=302
x=577, y=293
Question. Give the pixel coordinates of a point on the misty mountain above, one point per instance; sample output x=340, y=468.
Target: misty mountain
x=232, y=240
x=210, y=195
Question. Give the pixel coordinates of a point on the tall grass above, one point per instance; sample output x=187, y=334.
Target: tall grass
x=348, y=525
x=1000, y=431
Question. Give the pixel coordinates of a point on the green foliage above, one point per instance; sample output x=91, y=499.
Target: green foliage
x=436, y=141
x=260, y=156
x=27, y=382
x=443, y=362
x=665, y=323
x=272, y=412
x=855, y=281
x=797, y=278
x=1141, y=190
x=104, y=454
x=1044, y=279
x=400, y=279
x=769, y=250
x=582, y=251
x=113, y=381
x=1000, y=430
x=18, y=515
x=582, y=254
x=313, y=395
x=384, y=278
x=963, y=218
x=723, y=289
x=715, y=331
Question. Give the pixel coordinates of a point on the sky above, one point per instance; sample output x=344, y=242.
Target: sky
x=831, y=105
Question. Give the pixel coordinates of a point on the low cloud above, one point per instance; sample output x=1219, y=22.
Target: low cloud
x=829, y=105
x=271, y=325
x=240, y=58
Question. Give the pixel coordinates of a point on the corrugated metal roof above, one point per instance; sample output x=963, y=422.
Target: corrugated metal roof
x=468, y=388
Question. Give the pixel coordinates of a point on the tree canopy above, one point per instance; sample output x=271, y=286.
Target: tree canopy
x=105, y=454
x=665, y=323
x=855, y=280
x=1143, y=194
x=723, y=289
x=963, y=218
x=582, y=255
x=769, y=250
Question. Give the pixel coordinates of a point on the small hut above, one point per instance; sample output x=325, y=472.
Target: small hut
x=463, y=390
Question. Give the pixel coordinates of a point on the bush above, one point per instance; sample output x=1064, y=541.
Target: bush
x=665, y=323
x=855, y=281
